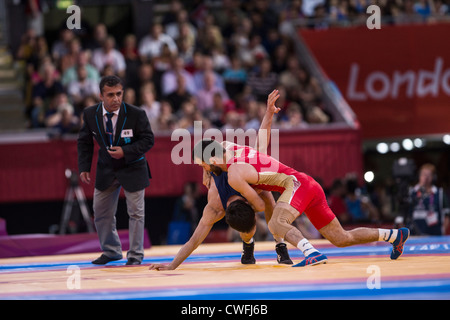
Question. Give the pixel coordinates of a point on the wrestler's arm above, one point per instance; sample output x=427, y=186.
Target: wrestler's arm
x=240, y=177
x=262, y=142
x=211, y=214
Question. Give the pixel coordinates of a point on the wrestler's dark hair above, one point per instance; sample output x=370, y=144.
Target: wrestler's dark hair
x=207, y=148
x=240, y=216
x=110, y=81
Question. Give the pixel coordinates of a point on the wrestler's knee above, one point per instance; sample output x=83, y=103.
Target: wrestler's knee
x=281, y=222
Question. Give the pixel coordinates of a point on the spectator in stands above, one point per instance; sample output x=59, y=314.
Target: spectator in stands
x=43, y=92
x=187, y=115
x=70, y=74
x=294, y=117
x=308, y=91
x=70, y=58
x=167, y=121
x=132, y=61
x=60, y=115
x=205, y=96
x=336, y=201
x=262, y=81
x=169, y=80
x=129, y=96
x=107, y=55
x=83, y=87
x=180, y=93
x=151, y=45
x=146, y=75
x=149, y=104
x=62, y=46
x=234, y=77
x=99, y=36
x=181, y=28
x=207, y=66
x=234, y=120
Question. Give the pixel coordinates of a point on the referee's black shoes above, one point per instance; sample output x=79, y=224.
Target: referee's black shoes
x=103, y=259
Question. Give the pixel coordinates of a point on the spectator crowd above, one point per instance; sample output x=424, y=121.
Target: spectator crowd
x=198, y=62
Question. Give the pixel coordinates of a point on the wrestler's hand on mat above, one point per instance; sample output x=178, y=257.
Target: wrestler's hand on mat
x=160, y=267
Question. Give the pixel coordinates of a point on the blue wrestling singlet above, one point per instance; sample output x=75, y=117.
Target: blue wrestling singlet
x=225, y=190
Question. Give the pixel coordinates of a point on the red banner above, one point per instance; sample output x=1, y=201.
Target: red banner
x=36, y=171
x=396, y=79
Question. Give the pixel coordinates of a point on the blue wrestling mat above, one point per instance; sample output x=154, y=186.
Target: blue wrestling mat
x=426, y=263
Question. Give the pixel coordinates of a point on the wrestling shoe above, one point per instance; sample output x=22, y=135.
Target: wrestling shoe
x=402, y=236
x=247, y=256
x=283, y=254
x=313, y=259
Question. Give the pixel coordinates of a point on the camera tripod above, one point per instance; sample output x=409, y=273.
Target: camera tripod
x=74, y=193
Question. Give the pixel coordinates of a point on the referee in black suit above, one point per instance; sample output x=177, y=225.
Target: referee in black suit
x=124, y=135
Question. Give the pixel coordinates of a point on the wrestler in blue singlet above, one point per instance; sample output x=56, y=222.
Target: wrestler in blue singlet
x=224, y=189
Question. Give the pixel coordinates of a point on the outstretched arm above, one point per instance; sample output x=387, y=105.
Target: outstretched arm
x=211, y=214
x=263, y=139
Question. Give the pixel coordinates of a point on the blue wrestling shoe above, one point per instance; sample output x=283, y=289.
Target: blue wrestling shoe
x=313, y=259
x=402, y=236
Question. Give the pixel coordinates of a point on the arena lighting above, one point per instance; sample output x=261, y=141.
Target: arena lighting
x=418, y=143
x=382, y=147
x=408, y=144
x=446, y=139
x=369, y=176
x=395, y=146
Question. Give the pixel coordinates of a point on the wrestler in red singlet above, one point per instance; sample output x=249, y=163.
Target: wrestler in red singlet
x=298, y=189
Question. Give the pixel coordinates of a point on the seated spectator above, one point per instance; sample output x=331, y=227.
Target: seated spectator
x=83, y=87
x=234, y=77
x=187, y=115
x=207, y=66
x=70, y=58
x=151, y=45
x=180, y=94
x=234, y=120
x=336, y=201
x=294, y=118
x=181, y=28
x=216, y=113
x=60, y=115
x=42, y=94
x=129, y=96
x=61, y=47
x=262, y=81
x=146, y=75
x=132, y=61
x=162, y=63
x=316, y=115
x=107, y=55
x=82, y=60
x=205, y=97
x=308, y=91
x=99, y=36
x=169, y=80
x=151, y=107
x=167, y=121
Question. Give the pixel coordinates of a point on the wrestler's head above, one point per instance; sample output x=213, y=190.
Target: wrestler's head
x=240, y=215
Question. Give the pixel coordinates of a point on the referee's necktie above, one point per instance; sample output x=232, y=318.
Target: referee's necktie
x=109, y=128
